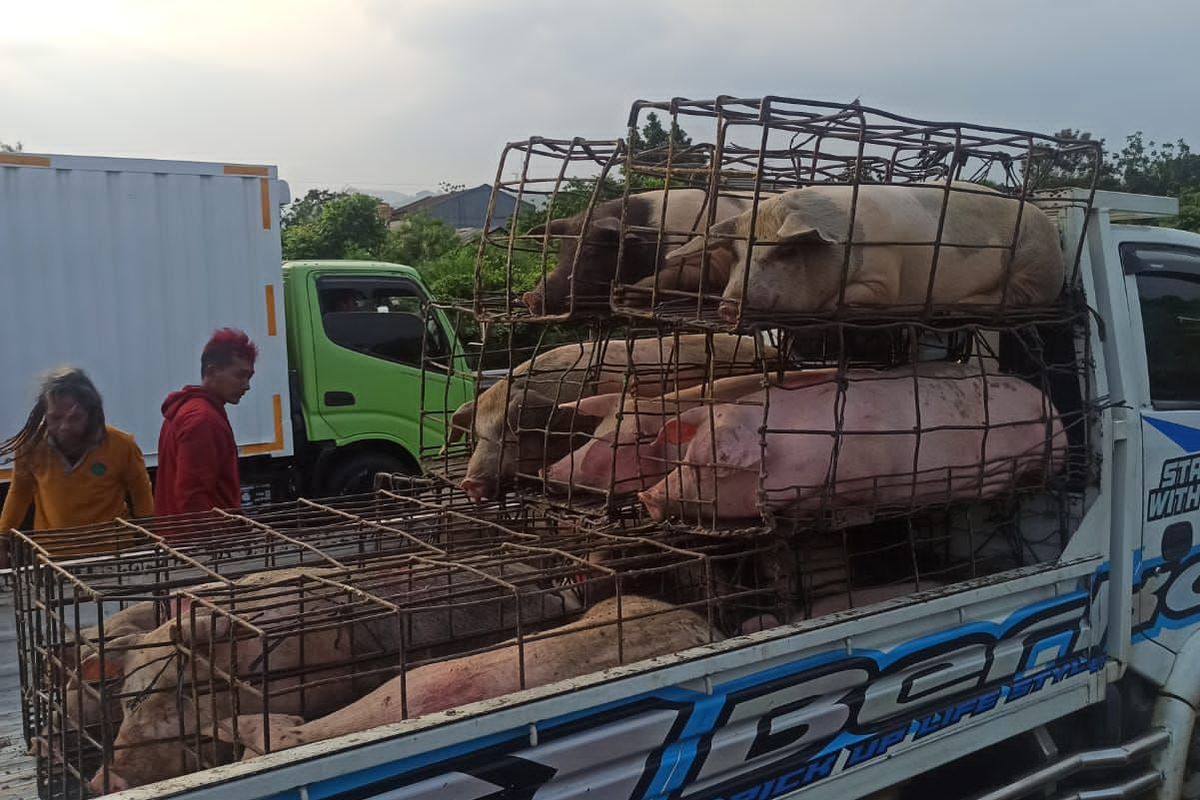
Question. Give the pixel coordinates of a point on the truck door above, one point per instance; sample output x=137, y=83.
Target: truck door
x=369, y=358
x=1164, y=283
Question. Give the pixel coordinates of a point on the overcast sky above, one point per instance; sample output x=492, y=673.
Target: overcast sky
x=401, y=95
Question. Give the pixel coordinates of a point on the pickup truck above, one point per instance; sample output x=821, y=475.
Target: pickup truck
x=125, y=266
x=1075, y=677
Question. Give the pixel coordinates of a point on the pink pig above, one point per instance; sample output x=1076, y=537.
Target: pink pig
x=625, y=452
x=726, y=467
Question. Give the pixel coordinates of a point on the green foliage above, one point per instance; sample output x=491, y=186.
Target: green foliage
x=1189, y=212
x=308, y=208
x=1141, y=167
x=1147, y=168
x=419, y=239
x=653, y=135
x=345, y=226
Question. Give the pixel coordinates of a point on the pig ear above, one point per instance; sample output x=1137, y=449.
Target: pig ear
x=798, y=228
x=678, y=431
x=94, y=670
x=460, y=423
x=719, y=242
x=556, y=227
x=600, y=405
x=529, y=412
x=609, y=229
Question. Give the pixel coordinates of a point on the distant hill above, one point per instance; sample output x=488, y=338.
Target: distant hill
x=394, y=199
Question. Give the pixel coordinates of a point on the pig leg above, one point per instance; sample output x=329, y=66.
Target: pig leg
x=248, y=731
x=882, y=288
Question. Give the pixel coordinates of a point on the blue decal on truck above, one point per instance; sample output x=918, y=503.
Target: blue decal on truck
x=767, y=733
x=1187, y=437
x=763, y=735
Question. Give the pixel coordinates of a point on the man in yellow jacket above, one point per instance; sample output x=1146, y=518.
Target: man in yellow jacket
x=72, y=467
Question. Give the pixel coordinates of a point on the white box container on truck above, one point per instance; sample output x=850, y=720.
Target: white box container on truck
x=124, y=267
x=1083, y=666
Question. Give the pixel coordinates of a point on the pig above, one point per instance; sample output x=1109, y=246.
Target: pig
x=719, y=477
x=519, y=422
x=624, y=453
x=649, y=628
x=124, y=632
x=146, y=747
x=590, y=280
x=805, y=234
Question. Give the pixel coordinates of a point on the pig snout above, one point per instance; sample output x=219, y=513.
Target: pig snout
x=655, y=503
x=533, y=301
x=478, y=489
x=728, y=310
x=559, y=471
x=115, y=783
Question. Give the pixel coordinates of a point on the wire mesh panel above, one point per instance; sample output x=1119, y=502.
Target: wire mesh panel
x=525, y=419
x=200, y=649
x=818, y=208
x=815, y=358
x=531, y=267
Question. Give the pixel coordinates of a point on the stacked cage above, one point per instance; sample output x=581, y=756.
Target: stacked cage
x=155, y=648
x=862, y=333
x=784, y=360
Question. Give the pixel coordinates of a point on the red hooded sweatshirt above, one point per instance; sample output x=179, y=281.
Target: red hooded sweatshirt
x=197, y=455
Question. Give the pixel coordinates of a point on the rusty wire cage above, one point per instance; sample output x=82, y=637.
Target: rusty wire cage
x=973, y=241
x=587, y=377
x=550, y=182
x=602, y=218
x=148, y=659
x=603, y=444
x=522, y=421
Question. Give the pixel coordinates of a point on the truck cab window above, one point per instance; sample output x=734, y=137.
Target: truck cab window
x=383, y=319
x=1168, y=284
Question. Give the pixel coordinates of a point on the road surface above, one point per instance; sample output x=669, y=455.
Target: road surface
x=17, y=776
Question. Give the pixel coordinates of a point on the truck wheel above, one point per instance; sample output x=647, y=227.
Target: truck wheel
x=356, y=475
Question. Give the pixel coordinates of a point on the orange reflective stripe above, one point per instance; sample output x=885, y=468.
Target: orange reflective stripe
x=271, y=331
x=264, y=193
x=245, y=169
x=19, y=160
x=267, y=447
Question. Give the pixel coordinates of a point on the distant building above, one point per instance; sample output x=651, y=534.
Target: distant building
x=464, y=209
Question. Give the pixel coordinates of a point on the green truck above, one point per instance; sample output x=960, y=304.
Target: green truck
x=355, y=337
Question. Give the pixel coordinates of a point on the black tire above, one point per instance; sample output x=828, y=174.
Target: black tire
x=356, y=474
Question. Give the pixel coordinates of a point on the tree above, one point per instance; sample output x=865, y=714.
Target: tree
x=346, y=226
x=1141, y=167
x=418, y=239
x=653, y=135
x=450, y=188
x=308, y=208
x=11, y=148
x=1148, y=168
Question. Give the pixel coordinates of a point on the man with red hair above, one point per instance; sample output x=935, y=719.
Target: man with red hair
x=197, y=454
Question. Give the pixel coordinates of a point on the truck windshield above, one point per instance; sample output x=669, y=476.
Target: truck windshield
x=384, y=318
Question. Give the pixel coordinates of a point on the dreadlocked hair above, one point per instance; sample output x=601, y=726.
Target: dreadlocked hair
x=69, y=382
